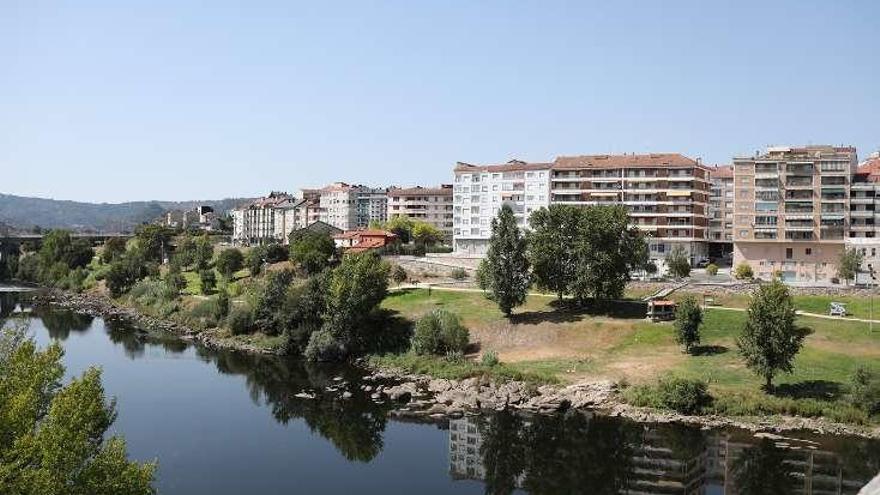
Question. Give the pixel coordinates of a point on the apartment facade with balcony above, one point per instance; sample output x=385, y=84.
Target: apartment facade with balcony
x=666, y=194
x=256, y=222
x=480, y=191
x=792, y=211
x=433, y=205
x=720, y=211
x=371, y=205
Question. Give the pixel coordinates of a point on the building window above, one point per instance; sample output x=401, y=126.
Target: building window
x=808, y=251
x=788, y=253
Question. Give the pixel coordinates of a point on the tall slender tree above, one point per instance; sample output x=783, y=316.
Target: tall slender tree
x=508, y=266
x=770, y=339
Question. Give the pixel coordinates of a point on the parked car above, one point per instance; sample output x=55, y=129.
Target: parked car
x=703, y=263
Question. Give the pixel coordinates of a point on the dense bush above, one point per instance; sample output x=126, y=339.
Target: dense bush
x=439, y=332
x=459, y=273
x=228, y=262
x=398, y=274
x=311, y=251
x=276, y=253
x=683, y=395
x=712, y=269
x=677, y=263
x=743, y=271
x=490, y=358
x=865, y=390
x=208, y=281
x=175, y=280
x=240, y=321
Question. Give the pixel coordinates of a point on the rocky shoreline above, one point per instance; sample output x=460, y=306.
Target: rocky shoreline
x=423, y=396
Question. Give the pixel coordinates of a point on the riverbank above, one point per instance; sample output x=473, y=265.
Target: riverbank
x=102, y=306
x=579, y=383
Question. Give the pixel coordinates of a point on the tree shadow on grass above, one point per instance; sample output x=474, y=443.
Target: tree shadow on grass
x=708, y=350
x=555, y=316
x=623, y=309
x=810, y=389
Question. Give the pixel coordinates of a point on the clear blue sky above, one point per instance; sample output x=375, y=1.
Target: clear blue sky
x=123, y=100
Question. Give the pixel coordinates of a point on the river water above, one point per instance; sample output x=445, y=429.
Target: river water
x=228, y=423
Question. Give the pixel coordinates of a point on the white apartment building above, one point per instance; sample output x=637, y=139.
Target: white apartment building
x=256, y=223
x=480, y=191
x=338, y=203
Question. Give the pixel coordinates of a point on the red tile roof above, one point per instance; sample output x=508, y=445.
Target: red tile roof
x=870, y=169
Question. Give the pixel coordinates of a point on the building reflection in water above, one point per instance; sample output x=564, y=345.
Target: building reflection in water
x=583, y=453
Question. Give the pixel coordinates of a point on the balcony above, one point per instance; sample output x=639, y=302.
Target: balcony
x=861, y=213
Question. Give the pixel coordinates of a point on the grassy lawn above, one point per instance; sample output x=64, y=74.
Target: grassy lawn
x=546, y=342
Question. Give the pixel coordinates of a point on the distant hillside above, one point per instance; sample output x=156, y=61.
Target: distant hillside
x=25, y=213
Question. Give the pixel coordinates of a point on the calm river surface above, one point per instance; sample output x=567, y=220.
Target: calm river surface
x=227, y=423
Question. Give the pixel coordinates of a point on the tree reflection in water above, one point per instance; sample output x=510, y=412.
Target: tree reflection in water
x=571, y=452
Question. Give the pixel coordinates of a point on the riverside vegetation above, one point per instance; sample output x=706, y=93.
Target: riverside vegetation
x=309, y=300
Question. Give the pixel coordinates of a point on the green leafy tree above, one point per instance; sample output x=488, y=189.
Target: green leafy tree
x=354, y=291
x=401, y=226
x=153, y=241
x=208, y=281
x=848, y=264
x=185, y=254
x=555, y=231
x=228, y=262
x=268, y=315
x=688, y=318
x=770, y=340
x=712, y=269
x=175, y=280
x=678, y=263
x=426, y=234
x=311, y=251
x=222, y=304
x=508, y=266
x=124, y=272
x=114, y=248
x=608, y=250
x=204, y=252
x=254, y=260
x=52, y=437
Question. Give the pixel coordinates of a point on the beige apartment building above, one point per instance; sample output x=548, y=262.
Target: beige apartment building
x=667, y=195
x=432, y=205
x=792, y=211
x=721, y=212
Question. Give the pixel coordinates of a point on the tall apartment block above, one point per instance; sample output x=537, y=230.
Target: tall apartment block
x=371, y=204
x=792, y=211
x=720, y=211
x=432, y=205
x=255, y=223
x=479, y=192
x=666, y=194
